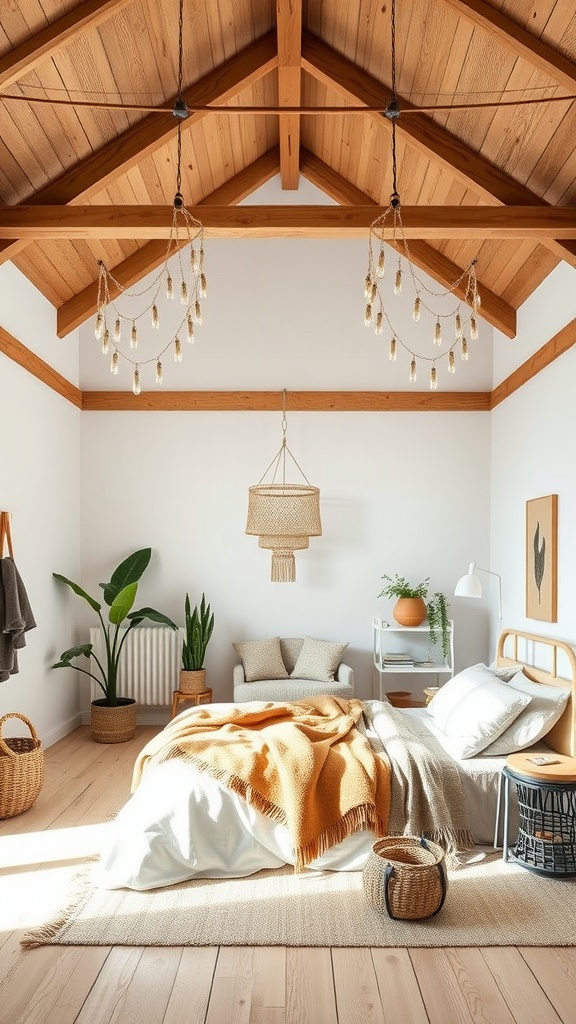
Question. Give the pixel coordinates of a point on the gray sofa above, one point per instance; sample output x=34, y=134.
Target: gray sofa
x=291, y=688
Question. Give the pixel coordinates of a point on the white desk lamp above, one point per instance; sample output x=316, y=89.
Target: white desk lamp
x=470, y=586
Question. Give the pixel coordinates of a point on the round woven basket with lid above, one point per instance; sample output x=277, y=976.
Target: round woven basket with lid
x=406, y=877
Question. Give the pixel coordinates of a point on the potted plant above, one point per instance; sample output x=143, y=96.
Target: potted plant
x=198, y=628
x=113, y=718
x=413, y=607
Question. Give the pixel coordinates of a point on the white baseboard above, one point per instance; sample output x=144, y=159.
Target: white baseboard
x=62, y=730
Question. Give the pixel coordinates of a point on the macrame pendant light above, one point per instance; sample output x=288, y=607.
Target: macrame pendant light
x=283, y=515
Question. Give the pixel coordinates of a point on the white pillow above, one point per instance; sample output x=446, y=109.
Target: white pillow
x=318, y=659
x=544, y=710
x=474, y=708
x=262, y=659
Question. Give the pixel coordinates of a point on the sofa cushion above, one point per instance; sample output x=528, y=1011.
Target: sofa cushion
x=261, y=659
x=318, y=659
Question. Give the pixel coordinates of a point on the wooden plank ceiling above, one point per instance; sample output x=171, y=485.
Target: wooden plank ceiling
x=287, y=55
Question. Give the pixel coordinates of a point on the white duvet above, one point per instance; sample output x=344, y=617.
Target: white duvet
x=181, y=823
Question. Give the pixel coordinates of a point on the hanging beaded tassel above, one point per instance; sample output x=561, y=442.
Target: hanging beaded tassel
x=134, y=336
x=99, y=328
x=473, y=328
x=437, y=333
x=458, y=327
x=114, y=364
x=159, y=372
x=451, y=362
x=105, y=342
x=368, y=314
x=155, y=317
x=416, y=310
x=413, y=370
x=433, y=379
x=184, y=293
x=169, y=288
x=197, y=312
x=177, y=351
x=117, y=329
x=398, y=281
x=367, y=286
x=136, y=381
x=381, y=262
x=202, y=286
x=190, y=329
x=464, y=348
x=392, y=351
x=378, y=325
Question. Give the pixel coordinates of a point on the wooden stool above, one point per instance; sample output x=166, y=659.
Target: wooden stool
x=204, y=697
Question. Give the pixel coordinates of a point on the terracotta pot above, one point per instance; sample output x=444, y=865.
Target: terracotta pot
x=113, y=724
x=192, y=681
x=410, y=611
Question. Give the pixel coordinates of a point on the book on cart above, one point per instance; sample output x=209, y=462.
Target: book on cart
x=397, y=658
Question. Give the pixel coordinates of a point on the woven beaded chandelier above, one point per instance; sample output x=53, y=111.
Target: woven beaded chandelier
x=186, y=241
x=375, y=311
x=283, y=515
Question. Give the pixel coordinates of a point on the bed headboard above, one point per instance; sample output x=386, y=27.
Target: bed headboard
x=532, y=652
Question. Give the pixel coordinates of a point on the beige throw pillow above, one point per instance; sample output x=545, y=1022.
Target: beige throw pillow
x=261, y=659
x=318, y=659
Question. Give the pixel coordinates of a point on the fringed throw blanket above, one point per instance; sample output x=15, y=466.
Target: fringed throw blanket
x=426, y=790
x=303, y=764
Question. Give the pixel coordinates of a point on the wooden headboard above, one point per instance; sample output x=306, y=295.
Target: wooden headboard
x=514, y=646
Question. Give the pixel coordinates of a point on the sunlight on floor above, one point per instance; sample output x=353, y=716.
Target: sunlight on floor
x=30, y=849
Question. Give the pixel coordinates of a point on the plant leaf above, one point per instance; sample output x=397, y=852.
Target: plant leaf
x=153, y=615
x=73, y=652
x=122, y=603
x=78, y=590
x=129, y=571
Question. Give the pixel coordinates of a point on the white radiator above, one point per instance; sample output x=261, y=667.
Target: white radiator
x=149, y=663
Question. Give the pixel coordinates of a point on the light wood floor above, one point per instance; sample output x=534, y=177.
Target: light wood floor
x=40, y=851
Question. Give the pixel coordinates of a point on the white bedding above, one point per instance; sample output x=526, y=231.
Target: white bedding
x=180, y=824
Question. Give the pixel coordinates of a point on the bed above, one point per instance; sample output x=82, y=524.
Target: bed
x=183, y=821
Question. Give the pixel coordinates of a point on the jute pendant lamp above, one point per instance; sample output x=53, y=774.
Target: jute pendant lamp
x=283, y=515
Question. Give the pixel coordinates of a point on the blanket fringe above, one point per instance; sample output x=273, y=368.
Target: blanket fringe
x=365, y=816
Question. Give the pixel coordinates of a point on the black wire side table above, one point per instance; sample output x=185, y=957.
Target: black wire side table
x=546, y=841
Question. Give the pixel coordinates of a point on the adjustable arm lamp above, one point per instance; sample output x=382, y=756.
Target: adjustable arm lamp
x=470, y=586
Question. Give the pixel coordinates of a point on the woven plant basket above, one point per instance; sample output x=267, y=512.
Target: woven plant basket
x=192, y=680
x=21, y=769
x=406, y=877
x=113, y=724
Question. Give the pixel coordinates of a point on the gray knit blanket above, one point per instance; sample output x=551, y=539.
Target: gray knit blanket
x=427, y=795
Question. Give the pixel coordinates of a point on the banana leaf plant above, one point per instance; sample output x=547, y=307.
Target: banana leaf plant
x=198, y=628
x=119, y=595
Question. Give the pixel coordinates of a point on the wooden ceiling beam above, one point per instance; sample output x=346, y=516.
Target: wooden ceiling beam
x=101, y=168
x=43, y=44
x=300, y=401
x=79, y=308
x=495, y=310
x=289, y=32
x=267, y=221
x=538, y=53
x=428, y=137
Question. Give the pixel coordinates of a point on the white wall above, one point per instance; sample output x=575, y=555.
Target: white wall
x=40, y=486
x=533, y=435
x=403, y=493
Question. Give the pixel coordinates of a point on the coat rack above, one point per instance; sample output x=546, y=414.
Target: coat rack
x=5, y=534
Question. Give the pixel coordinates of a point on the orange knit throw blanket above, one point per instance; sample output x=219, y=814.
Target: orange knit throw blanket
x=304, y=764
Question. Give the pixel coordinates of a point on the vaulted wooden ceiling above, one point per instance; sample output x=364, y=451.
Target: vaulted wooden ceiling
x=287, y=54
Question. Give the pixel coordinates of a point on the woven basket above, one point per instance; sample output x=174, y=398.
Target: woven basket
x=406, y=876
x=192, y=680
x=113, y=724
x=21, y=769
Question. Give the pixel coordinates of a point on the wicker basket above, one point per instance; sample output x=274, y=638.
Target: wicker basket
x=113, y=724
x=406, y=876
x=192, y=680
x=21, y=769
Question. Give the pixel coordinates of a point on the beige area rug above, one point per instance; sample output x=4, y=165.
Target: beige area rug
x=487, y=904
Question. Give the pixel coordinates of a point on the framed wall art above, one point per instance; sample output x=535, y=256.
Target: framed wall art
x=542, y=558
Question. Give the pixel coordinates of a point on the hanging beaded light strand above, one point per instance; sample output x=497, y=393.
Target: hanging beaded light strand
x=186, y=235
x=375, y=312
